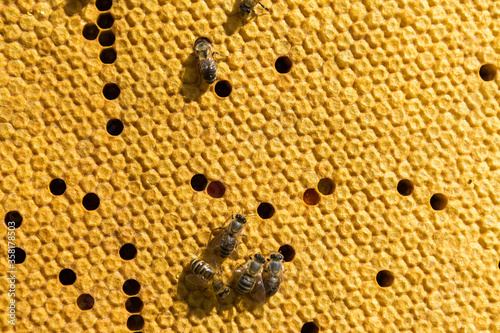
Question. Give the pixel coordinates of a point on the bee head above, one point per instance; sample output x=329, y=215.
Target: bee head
x=240, y=218
x=260, y=258
x=277, y=256
x=244, y=9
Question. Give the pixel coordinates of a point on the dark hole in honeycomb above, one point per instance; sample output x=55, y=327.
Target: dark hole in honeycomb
x=15, y=219
x=105, y=21
x=103, y=5
x=385, y=278
x=91, y=201
x=311, y=197
x=108, y=55
x=488, y=72
x=90, y=31
x=216, y=189
x=405, y=187
x=131, y=287
x=135, y=322
x=111, y=91
x=57, y=186
x=114, y=127
x=128, y=251
x=67, y=277
x=106, y=38
x=283, y=64
x=134, y=305
x=20, y=255
x=439, y=201
x=199, y=182
x=265, y=210
x=287, y=251
x=326, y=186
x=309, y=327
x=223, y=88
x=85, y=302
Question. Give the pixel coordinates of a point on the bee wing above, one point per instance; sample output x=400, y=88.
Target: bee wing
x=196, y=280
x=258, y=291
x=215, y=242
x=282, y=277
x=236, y=276
x=234, y=255
x=215, y=262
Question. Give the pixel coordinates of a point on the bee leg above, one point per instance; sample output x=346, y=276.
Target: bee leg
x=199, y=76
x=224, y=57
x=264, y=6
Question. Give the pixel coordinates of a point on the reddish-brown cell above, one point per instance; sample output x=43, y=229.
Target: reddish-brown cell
x=311, y=197
x=216, y=189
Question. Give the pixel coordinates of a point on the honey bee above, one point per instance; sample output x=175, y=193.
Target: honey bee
x=203, y=274
x=227, y=240
x=207, y=65
x=273, y=272
x=247, y=6
x=250, y=278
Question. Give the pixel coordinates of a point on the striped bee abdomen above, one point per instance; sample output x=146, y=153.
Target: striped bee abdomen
x=226, y=249
x=202, y=269
x=271, y=285
x=245, y=284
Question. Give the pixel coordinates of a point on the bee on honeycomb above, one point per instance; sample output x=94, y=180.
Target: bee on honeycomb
x=246, y=7
x=207, y=65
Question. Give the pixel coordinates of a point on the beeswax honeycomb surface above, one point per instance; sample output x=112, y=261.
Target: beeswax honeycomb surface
x=379, y=91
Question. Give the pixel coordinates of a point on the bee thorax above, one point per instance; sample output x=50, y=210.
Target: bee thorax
x=254, y=267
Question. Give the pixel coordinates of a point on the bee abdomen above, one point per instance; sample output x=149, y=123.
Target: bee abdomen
x=245, y=284
x=271, y=285
x=202, y=269
x=225, y=251
x=208, y=70
x=210, y=76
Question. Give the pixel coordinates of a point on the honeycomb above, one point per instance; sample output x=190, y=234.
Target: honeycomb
x=363, y=136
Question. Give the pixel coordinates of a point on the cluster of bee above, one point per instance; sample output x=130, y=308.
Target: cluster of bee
x=203, y=48
x=257, y=277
